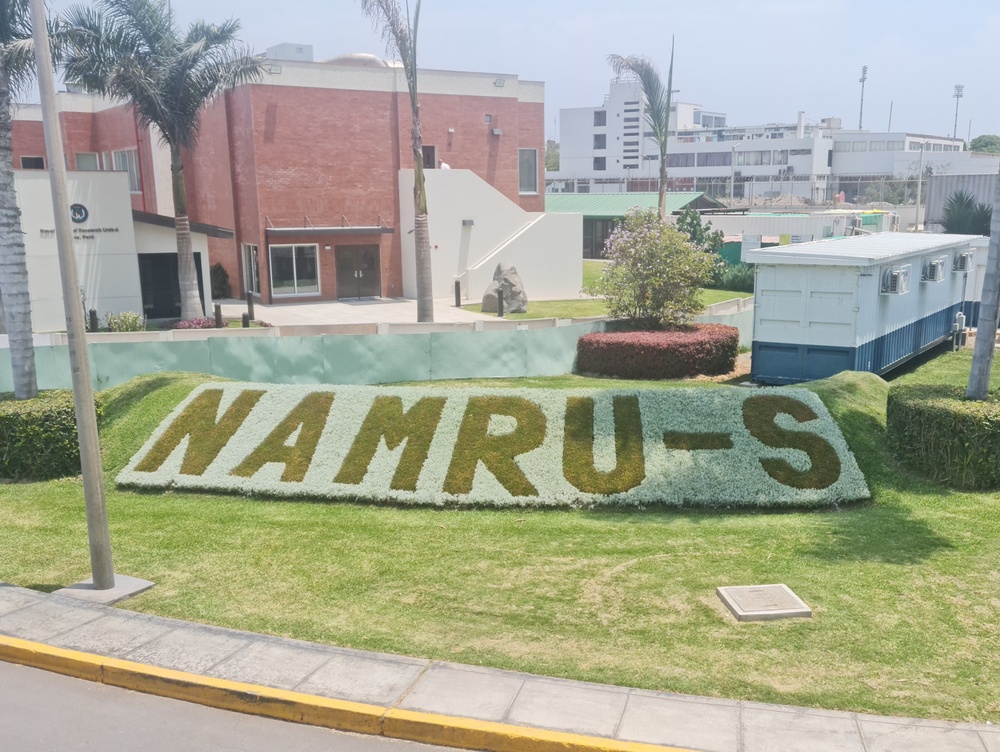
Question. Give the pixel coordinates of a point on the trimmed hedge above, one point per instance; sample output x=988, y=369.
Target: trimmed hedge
x=702, y=349
x=935, y=430
x=38, y=437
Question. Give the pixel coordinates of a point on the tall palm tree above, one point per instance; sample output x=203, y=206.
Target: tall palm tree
x=130, y=50
x=657, y=99
x=399, y=30
x=16, y=69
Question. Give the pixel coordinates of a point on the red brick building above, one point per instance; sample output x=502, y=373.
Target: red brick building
x=304, y=167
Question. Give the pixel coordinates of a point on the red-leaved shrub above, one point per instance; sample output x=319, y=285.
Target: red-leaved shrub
x=205, y=323
x=708, y=349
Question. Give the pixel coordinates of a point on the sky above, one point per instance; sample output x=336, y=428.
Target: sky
x=758, y=61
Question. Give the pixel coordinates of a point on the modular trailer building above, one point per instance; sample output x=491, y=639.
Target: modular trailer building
x=861, y=303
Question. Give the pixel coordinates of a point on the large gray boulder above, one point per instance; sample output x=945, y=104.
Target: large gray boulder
x=515, y=300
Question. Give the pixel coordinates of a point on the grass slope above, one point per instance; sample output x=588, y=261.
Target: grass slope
x=904, y=590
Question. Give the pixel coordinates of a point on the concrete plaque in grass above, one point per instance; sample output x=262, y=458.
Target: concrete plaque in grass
x=763, y=602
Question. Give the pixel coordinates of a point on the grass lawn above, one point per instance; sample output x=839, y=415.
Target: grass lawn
x=569, y=309
x=904, y=590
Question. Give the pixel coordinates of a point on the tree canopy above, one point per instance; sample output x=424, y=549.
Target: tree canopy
x=988, y=142
x=963, y=215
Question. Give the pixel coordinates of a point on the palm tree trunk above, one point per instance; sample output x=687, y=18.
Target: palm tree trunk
x=13, y=269
x=187, y=276
x=989, y=312
x=421, y=231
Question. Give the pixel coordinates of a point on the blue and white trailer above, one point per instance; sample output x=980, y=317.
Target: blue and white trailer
x=860, y=303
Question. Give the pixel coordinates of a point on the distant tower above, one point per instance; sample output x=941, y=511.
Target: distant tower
x=864, y=77
x=959, y=90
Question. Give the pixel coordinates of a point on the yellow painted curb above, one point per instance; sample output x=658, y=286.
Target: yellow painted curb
x=343, y=715
x=467, y=733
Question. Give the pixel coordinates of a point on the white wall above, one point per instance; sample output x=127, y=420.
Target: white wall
x=545, y=248
x=105, y=245
x=156, y=239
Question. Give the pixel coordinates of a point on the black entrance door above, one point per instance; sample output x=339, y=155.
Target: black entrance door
x=357, y=271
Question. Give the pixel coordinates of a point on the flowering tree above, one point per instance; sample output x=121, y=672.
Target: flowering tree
x=654, y=274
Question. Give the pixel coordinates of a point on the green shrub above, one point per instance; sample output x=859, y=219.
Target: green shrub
x=734, y=277
x=38, y=437
x=653, y=274
x=220, y=282
x=126, y=321
x=933, y=429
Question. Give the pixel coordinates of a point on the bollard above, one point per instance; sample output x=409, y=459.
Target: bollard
x=218, y=315
x=458, y=294
x=500, y=303
x=250, y=305
x=246, y=320
x=93, y=320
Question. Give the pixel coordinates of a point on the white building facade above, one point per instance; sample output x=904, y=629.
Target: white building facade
x=610, y=149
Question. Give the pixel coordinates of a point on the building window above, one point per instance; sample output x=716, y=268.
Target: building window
x=631, y=120
x=600, y=163
x=294, y=270
x=600, y=141
x=715, y=159
x=600, y=117
x=127, y=160
x=842, y=146
x=895, y=145
x=680, y=160
x=780, y=157
x=32, y=163
x=86, y=161
x=801, y=152
x=877, y=146
x=859, y=146
x=527, y=166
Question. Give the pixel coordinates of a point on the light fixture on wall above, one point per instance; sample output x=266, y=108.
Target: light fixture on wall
x=499, y=83
x=497, y=132
x=451, y=131
x=468, y=222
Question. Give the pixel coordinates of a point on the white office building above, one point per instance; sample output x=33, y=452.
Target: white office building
x=610, y=149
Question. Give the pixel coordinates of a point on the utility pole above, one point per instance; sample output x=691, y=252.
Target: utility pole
x=920, y=185
x=864, y=77
x=83, y=390
x=889, y=128
x=959, y=90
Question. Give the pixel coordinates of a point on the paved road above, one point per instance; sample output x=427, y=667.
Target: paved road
x=41, y=712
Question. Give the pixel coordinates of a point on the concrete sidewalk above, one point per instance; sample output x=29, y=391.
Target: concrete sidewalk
x=430, y=701
x=360, y=311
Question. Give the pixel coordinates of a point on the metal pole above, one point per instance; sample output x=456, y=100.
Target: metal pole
x=98, y=533
x=732, y=177
x=920, y=185
x=864, y=77
x=959, y=91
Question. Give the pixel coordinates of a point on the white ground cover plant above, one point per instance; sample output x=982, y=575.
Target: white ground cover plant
x=728, y=477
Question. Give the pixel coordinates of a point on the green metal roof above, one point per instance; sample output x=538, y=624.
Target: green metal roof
x=608, y=205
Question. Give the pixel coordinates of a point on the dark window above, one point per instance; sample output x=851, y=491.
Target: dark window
x=600, y=117
x=600, y=141
x=161, y=297
x=680, y=160
x=632, y=120
x=430, y=154
x=600, y=163
x=32, y=163
x=715, y=159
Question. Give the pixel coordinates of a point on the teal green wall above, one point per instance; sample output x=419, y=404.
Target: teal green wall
x=328, y=359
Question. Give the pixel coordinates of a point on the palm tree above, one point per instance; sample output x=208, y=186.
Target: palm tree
x=963, y=215
x=130, y=50
x=400, y=33
x=16, y=69
x=989, y=313
x=657, y=98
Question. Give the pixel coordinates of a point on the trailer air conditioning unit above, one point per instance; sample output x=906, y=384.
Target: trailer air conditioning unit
x=896, y=281
x=894, y=223
x=963, y=262
x=934, y=271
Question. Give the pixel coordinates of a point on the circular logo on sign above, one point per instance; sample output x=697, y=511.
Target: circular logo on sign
x=78, y=213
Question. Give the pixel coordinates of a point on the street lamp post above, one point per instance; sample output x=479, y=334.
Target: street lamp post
x=864, y=77
x=920, y=183
x=959, y=91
